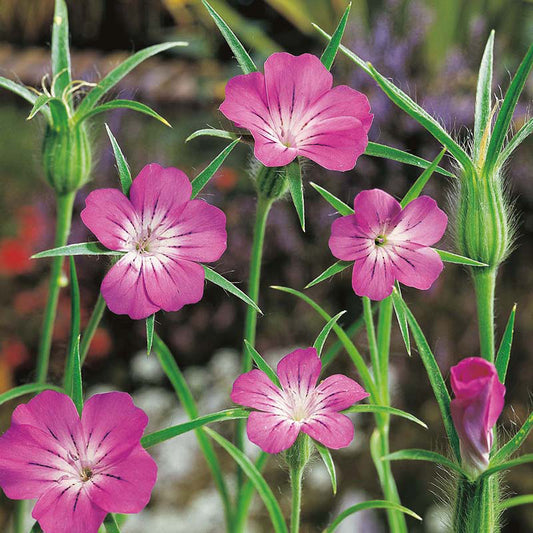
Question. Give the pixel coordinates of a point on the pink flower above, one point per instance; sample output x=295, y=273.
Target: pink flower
x=79, y=470
x=164, y=235
x=478, y=402
x=292, y=110
x=300, y=405
x=388, y=243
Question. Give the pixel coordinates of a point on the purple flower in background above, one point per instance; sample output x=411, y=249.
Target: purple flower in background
x=164, y=235
x=79, y=470
x=388, y=243
x=292, y=110
x=299, y=405
x=478, y=402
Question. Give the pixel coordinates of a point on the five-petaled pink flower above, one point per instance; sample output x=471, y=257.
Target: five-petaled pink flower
x=478, y=402
x=164, y=235
x=79, y=470
x=292, y=110
x=299, y=405
x=388, y=243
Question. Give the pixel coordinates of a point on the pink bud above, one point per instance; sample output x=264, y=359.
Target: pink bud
x=478, y=402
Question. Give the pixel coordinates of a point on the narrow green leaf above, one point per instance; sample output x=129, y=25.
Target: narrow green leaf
x=516, y=500
x=505, y=115
x=435, y=378
x=401, y=318
x=262, y=364
x=28, y=388
x=77, y=383
x=329, y=464
x=387, y=152
x=211, y=132
x=121, y=104
x=217, y=279
x=150, y=324
x=424, y=455
x=449, y=257
x=507, y=465
x=122, y=165
x=323, y=335
x=151, y=439
x=59, y=114
x=330, y=52
x=482, y=115
x=294, y=177
x=338, y=205
x=41, y=101
x=60, y=47
x=513, y=444
x=404, y=102
x=110, y=524
x=337, y=267
x=349, y=346
x=109, y=81
x=370, y=504
x=82, y=248
x=241, y=55
x=385, y=409
x=23, y=92
x=420, y=183
x=504, y=351
x=521, y=135
x=203, y=178
x=92, y=326
x=273, y=508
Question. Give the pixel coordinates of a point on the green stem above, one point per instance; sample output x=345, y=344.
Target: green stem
x=476, y=506
x=91, y=328
x=65, y=203
x=296, y=474
x=384, y=334
x=19, y=516
x=485, y=285
x=372, y=342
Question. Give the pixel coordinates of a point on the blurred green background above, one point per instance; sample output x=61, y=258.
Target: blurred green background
x=430, y=48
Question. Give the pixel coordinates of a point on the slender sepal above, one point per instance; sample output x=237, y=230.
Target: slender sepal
x=122, y=165
x=329, y=54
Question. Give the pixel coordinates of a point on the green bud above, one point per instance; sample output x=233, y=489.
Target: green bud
x=271, y=182
x=298, y=455
x=67, y=158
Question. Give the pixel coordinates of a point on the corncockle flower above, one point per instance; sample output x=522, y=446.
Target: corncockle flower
x=79, y=470
x=478, y=402
x=292, y=110
x=388, y=243
x=164, y=235
x=299, y=405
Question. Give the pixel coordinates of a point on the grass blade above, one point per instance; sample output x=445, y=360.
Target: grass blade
x=203, y=178
x=424, y=455
x=504, y=351
x=122, y=104
x=122, y=165
x=515, y=442
x=323, y=335
x=262, y=364
x=241, y=55
x=371, y=408
x=337, y=267
x=28, y=388
x=169, y=433
x=274, y=510
x=294, y=178
x=60, y=48
x=370, y=504
x=328, y=462
x=217, y=279
x=449, y=257
x=332, y=48
x=338, y=205
x=211, y=132
x=82, y=248
x=150, y=325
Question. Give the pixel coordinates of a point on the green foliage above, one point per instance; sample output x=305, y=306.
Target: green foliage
x=338, y=205
x=60, y=47
x=330, y=52
x=150, y=325
x=294, y=179
x=337, y=267
x=262, y=364
x=323, y=335
x=122, y=165
x=384, y=409
x=424, y=455
x=504, y=352
x=24, y=390
x=85, y=248
x=325, y=455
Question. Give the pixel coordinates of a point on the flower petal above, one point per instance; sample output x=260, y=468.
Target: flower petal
x=421, y=222
x=333, y=430
x=339, y=392
x=254, y=389
x=272, y=433
x=416, y=267
x=348, y=241
x=272, y=153
x=299, y=370
x=111, y=217
x=67, y=508
x=199, y=234
x=373, y=276
x=124, y=288
x=171, y=283
x=126, y=486
x=112, y=426
x=375, y=209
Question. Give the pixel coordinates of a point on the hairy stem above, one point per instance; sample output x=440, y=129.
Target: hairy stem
x=296, y=501
x=19, y=515
x=485, y=285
